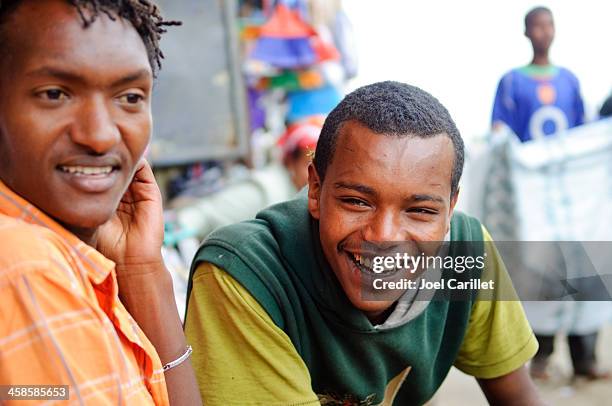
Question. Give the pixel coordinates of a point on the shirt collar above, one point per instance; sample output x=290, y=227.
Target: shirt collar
x=98, y=267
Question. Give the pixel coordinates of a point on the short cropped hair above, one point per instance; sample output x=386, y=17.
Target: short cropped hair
x=532, y=13
x=390, y=109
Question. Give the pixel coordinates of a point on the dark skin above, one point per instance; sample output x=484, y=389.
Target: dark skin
x=541, y=32
x=381, y=188
x=75, y=119
x=72, y=105
x=513, y=389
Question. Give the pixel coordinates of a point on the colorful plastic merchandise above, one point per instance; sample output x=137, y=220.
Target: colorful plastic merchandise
x=293, y=80
x=286, y=41
x=305, y=103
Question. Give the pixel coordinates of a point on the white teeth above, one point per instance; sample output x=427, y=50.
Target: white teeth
x=366, y=263
x=87, y=170
x=363, y=261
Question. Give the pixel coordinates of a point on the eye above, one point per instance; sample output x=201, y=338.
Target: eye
x=131, y=98
x=354, y=202
x=52, y=94
x=422, y=210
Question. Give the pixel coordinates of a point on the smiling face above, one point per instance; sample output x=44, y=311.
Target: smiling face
x=377, y=190
x=74, y=111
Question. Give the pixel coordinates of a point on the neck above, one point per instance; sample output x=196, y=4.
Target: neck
x=540, y=58
x=379, y=317
x=87, y=235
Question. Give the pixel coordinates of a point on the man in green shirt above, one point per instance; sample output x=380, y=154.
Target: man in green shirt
x=281, y=311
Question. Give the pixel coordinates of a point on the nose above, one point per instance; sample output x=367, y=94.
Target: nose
x=94, y=127
x=384, y=227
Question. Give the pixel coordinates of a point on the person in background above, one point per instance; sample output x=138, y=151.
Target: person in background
x=86, y=299
x=263, y=187
x=298, y=144
x=536, y=101
x=540, y=99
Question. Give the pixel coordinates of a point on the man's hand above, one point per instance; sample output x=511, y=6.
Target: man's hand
x=133, y=237
x=513, y=389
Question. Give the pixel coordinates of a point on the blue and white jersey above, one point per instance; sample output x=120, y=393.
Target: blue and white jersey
x=538, y=101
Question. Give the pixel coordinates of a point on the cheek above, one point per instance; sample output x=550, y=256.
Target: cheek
x=22, y=139
x=136, y=136
x=435, y=231
x=328, y=229
x=433, y=234
x=331, y=228
x=339, y=224
x=31, y=129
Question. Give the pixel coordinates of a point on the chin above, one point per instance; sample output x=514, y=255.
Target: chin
x=372, y=306
x=366, y=300
x=368, y=306
x=84, y=219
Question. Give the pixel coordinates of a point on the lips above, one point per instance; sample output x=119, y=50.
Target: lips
x=363, y=262
x=90, y=175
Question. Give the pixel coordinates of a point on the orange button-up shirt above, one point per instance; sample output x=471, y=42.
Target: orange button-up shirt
x=61, y=321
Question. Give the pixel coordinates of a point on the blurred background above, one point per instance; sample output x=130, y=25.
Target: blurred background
x=458, y=51
x=246, y=85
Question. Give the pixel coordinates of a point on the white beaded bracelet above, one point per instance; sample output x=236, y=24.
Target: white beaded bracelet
x=179, y=360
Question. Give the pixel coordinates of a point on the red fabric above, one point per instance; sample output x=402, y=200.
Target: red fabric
x=285, y=23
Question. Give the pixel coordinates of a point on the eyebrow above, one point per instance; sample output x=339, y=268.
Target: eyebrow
x=69, y=76
x=366, y=190
x=426, y=198
x=132, y=77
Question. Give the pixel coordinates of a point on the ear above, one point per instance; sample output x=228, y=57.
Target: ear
x=314, y=192
x=453, y=202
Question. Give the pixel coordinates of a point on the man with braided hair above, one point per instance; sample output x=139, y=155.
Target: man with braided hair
x=86, y=300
